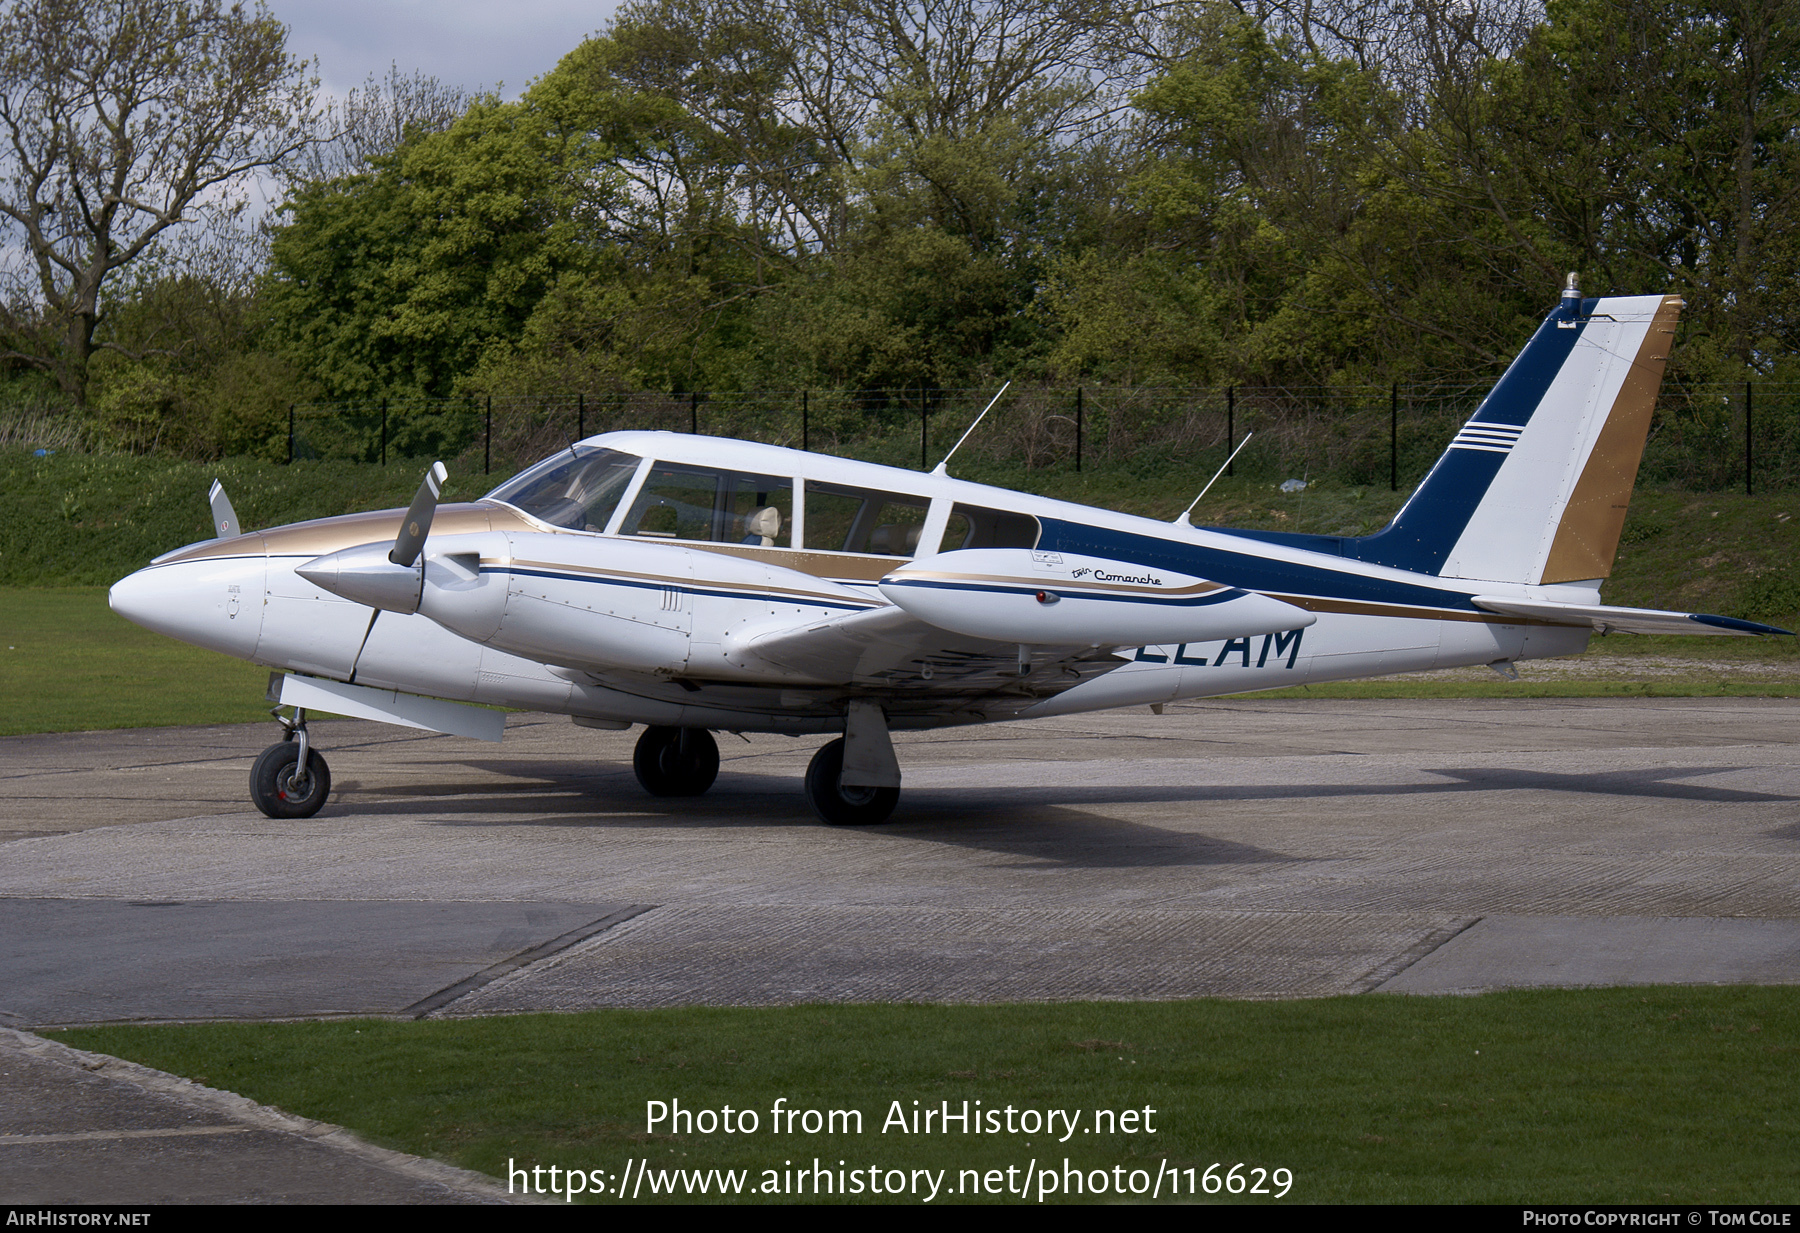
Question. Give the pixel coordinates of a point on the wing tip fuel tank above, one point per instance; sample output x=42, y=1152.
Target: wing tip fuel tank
x=1061, y=599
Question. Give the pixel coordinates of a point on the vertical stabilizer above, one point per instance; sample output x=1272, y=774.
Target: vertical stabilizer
x=1535, y=486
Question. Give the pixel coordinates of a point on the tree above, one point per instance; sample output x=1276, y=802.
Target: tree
x=399, y=280
x=120, y=122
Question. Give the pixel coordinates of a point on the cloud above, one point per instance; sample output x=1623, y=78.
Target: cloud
x=475, y=44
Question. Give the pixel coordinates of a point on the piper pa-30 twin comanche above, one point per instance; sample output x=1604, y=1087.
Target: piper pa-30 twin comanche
x=694, y=584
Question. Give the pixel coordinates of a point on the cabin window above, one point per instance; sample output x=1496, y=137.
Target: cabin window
x=844, y=519
x=577, y=489
x=720, y=507
x=971, y=526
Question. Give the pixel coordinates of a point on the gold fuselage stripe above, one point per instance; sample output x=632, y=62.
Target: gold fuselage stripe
x=1348, y=607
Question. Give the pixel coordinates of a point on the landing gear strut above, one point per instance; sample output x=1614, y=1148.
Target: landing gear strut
x=837, y=802
x=676, y=761
x=289, y=779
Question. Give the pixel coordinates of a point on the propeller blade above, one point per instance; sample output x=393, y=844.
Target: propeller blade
x=225, y=519
x=411, y=540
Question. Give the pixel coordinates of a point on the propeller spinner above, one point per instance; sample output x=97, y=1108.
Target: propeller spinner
x=387, y=578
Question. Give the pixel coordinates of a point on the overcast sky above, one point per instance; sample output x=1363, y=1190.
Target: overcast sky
x=475, y=44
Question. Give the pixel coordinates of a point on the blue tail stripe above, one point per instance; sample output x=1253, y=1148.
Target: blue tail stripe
x=1421, y=536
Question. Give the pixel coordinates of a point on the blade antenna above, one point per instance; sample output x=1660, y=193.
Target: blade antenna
x=1183, y=519
x=417, y=526
x=940, y=468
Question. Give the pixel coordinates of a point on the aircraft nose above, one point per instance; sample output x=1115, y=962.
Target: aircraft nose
x=214, y=604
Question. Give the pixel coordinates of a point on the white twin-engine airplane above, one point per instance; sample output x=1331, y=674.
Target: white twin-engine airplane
x=694, y=584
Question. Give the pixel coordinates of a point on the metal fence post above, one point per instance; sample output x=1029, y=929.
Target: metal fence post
x=923, y=464
x=1749, y=456
x=694, y=412
x=487, y=449
x=1230, y=427
x=1078, y=393
x=1394, y=438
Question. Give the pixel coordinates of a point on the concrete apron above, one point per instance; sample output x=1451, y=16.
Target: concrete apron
x=1241, y=849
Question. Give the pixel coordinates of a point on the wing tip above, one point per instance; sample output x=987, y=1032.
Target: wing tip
x=1738, y=626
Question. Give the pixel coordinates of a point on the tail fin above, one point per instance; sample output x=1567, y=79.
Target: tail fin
x=1535, y=486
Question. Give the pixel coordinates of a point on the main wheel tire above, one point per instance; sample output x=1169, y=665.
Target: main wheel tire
x=279, y=791
x=839, y=804
x=664, y=768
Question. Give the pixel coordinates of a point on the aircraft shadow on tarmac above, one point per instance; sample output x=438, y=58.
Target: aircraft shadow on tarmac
x=1790, y=831
x=1045, y=824
x=562, y=789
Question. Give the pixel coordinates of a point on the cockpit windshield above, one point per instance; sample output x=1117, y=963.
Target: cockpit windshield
x=578, y=488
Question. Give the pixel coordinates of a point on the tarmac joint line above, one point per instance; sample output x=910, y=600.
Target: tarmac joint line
x=525, y=958
x=1384, y=972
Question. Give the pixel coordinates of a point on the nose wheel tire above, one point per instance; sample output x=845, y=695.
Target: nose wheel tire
x=282, y=789
x=676, y=761
x=838, y=803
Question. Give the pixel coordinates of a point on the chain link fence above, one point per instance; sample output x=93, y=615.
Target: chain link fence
x=1705, y=437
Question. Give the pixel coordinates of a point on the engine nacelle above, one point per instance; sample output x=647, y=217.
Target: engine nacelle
x=598, y=604
x=1059, y=599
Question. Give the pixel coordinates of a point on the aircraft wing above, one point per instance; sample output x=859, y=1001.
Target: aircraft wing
x=1608, y=619
x=891, y=649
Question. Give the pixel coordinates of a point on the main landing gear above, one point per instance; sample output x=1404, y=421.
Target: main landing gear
x=839, y=803
x=685, y=762
x=676, y=761
x=289, y=779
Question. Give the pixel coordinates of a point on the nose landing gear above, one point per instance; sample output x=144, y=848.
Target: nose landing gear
x=289, y=779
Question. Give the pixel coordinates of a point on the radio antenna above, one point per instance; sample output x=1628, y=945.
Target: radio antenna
x=939, y=469
x=1209, y=483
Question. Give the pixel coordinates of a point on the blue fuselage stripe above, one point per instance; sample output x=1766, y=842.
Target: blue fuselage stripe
x=1244, y=570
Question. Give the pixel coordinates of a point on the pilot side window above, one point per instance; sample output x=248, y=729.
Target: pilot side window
x=577, y=489
x=844, y=519
x=721, y=507
x=971, y=526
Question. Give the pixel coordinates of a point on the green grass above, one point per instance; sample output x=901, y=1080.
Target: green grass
x=1576, y=1096
x=90, y=519
x=1696, y=684
x=68, y=664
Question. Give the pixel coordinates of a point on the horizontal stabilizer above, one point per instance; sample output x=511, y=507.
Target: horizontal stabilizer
x=1625, y=620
